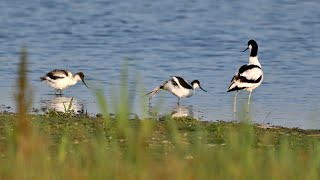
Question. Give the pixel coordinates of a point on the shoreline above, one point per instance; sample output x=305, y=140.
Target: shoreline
x=187, y=119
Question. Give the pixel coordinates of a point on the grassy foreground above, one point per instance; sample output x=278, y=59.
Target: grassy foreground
x=183, y=148
x=60, y=146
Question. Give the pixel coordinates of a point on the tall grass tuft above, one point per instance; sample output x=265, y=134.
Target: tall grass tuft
x=22, y=122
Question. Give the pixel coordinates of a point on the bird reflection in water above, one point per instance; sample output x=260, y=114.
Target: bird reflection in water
x=176, y=111
x=182, y=111
x=62, y=104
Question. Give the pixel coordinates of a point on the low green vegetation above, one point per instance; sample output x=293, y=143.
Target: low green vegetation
x=179, y=148
x=67, y=146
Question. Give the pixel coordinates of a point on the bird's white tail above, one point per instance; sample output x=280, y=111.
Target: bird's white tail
x=235, y=84
x=43, y=78
x=232, y=86
x=156, y=90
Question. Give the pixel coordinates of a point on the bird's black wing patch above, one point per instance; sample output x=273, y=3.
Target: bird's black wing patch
x=247, y=67
x=245, y=80
x=55, y=74
x=174, y=83
x=54, y=77
x=60, y=71
x=183, y=83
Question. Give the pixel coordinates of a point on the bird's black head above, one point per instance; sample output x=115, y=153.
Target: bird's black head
x=252, y=43
x=196, y=84
x=253, y=46
x=81, y=75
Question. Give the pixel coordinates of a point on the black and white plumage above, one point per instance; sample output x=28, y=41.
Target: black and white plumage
x=178, y=87
x=249, y=76
x=62, y=79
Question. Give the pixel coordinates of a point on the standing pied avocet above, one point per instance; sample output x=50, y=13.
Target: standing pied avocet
x=249, y=76
x=62, y=79
x=178, y=87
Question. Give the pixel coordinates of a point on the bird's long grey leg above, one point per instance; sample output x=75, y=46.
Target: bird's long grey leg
x=178, y=103
x=235, y=103
x=248, y=109
x=60, y=92
x=249, y=97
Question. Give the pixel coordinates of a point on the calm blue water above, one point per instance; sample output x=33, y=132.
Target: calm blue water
x=199, y=39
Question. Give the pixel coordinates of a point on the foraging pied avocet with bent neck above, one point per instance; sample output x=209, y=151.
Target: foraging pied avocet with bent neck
x=249, y=76
x=62, y=79
x=178, y=87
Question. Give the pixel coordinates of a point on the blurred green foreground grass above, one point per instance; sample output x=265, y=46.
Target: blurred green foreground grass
x=183, y=148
